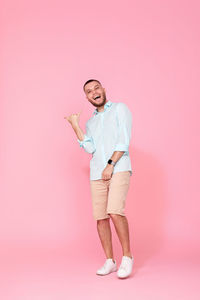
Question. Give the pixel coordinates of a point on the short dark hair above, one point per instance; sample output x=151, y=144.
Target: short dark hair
x=90, y=80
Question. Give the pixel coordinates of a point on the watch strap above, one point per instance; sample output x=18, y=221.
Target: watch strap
x=111, y=162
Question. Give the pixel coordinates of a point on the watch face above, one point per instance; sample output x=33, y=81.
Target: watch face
x=109, y=161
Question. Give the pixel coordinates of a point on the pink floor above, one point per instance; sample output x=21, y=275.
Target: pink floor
x=48, y=273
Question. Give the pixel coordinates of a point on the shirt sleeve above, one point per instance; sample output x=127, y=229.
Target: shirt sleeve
x=87, y=144
x=124, y=117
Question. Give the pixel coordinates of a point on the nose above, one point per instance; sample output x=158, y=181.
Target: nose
x=94, y=95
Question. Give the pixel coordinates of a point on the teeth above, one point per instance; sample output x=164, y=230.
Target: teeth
x=96, y=97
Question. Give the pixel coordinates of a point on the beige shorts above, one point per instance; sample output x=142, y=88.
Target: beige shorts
x=109, y=196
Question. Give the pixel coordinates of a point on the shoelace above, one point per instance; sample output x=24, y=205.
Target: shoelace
x=105, y=264
x=123, y=265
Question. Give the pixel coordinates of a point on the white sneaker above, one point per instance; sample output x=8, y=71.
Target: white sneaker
x=108, y=267
x=126, y=267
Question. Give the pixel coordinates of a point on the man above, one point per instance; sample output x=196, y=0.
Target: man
x=107, y=138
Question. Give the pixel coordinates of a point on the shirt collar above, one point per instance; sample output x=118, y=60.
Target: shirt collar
x=109, y=103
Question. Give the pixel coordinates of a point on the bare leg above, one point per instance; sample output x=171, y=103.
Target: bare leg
x=105, y=235
x=121, y=227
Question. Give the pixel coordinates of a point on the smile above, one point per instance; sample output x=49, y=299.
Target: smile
x=97, y=97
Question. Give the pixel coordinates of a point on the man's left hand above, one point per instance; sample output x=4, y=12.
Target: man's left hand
x=107, y=172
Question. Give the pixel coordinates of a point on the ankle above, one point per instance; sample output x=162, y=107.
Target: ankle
x=129, y=254
x=112, y=259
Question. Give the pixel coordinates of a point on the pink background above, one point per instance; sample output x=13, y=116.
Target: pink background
x=146, y=54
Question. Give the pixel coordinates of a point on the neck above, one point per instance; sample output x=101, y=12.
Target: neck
x=101, y=108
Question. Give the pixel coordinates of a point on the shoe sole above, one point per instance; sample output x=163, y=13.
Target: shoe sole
x=107, y=273
x=123, y=277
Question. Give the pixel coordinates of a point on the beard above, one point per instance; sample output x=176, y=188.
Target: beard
x=102, y=102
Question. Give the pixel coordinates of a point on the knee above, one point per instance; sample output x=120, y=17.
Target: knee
x=115, y=216
x=102, y=221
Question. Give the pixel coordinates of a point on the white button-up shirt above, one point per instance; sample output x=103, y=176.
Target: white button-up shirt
x=106, y=132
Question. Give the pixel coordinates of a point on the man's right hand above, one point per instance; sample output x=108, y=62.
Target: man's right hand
x=73, y=119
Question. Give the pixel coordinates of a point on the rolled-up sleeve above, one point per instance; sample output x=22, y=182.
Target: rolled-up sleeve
x=124, y=119
x=87, y=144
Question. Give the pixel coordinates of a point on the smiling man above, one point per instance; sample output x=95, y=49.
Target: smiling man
x=107, y=138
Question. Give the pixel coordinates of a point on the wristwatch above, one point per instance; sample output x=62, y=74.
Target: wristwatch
x=111, y=162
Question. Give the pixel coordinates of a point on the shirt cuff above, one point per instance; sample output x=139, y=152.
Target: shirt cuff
x=86, y=139
x=121, y=147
